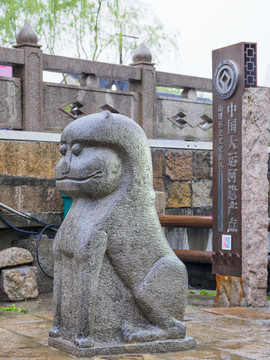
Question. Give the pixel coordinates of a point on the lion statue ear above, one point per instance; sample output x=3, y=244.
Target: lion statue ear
x=107, y=114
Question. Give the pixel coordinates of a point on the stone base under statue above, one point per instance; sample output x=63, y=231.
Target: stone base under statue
x=161, y=346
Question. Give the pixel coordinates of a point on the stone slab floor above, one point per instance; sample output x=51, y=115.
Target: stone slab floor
x=227, y=334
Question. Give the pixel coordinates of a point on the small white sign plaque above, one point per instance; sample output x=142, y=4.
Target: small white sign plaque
x=226, y=242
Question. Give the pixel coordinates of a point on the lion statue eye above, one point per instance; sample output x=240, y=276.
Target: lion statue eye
x=76, y=149
x=63, y=149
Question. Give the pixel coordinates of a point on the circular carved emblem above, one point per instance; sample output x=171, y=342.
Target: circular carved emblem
x=225, y=79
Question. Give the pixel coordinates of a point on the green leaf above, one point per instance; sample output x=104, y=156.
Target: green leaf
x=13, y=308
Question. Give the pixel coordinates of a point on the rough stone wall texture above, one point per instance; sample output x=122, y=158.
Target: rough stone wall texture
x=182, y=176
x=28, y=159
x=185, y=177
x=27, y=176
x=255, y=110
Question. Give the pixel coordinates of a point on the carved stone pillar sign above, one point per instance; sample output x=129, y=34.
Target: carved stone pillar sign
x=234, y=69
x=240, y=186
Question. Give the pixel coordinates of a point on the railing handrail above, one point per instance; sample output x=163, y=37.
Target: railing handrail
x=194, y=255
x=183, y=81
x=11, y=57
x=194, y=221
x=70, y=65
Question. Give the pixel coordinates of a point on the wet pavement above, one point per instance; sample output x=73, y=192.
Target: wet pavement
x=221, y=333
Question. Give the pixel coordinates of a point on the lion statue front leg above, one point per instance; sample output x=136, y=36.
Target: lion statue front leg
x=89, y=259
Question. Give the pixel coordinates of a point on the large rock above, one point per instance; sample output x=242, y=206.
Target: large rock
x=45, y=283
x=14, y=256
x=19, y=283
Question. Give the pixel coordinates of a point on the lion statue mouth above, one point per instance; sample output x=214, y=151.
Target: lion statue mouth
x=95, y=174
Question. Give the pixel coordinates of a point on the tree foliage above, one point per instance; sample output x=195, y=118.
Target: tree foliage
x=88, y=29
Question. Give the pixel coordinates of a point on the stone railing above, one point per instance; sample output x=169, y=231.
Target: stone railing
x=28, y=103
x=186, y=117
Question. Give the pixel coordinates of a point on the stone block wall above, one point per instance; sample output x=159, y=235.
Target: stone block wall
x=27, y=184
x=182, y=177
x=27, y=176
x=185, y=176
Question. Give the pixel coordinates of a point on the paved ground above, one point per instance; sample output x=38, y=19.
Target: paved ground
x=227, y=334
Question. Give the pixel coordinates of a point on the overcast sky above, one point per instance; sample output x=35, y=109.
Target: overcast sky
x=206, y=25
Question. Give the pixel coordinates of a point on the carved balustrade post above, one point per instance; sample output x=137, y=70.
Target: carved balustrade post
x=147, y=90
x=31, y=76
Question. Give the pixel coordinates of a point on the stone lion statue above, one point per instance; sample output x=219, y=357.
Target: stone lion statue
x=117, y=282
